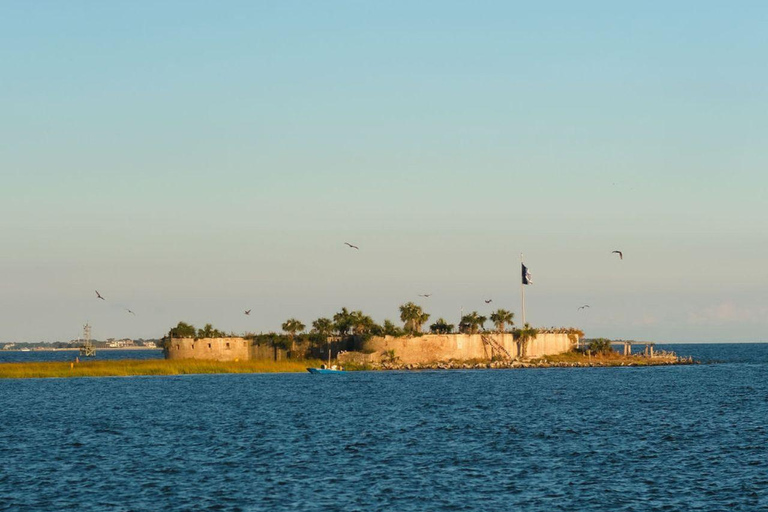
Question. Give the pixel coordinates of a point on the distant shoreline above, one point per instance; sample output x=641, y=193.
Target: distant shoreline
x=76, y=349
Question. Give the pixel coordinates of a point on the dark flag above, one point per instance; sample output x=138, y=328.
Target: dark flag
x=526, y=275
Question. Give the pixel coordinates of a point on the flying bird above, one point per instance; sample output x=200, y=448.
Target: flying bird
x=131, y=312
x=427, y=295
x=489, y=301
x=584, y=306
x=247, y=311
x=352, y=246
x=99, y=295
x=621, y=255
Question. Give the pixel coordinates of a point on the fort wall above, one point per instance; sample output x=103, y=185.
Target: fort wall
x=222, y=349
x=219, y=349
x=432, y=348
x=429, y=348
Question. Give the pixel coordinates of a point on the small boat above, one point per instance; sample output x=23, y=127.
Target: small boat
x=329, y=368
x=325, y=369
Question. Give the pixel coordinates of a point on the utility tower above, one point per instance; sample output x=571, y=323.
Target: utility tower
x=86, y=349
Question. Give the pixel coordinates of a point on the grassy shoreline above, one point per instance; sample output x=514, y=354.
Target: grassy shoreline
x=134, y=367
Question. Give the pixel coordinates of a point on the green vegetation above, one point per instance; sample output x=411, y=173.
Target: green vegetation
x=441, y=327
x=600, y=346
x=413, y=317
x=342, y=323
x=500, y=318
x=472, y=323
x=390, y=357
x=292, y=326
x=184, y=330
x=129, y=367
x=322, y=328
x=524, y=337
x=347, y=329
x=390, y=329
x=208, y=331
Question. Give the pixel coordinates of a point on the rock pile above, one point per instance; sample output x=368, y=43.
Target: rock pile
x=537, y=363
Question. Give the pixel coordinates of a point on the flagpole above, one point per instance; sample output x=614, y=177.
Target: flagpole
x=522, y=289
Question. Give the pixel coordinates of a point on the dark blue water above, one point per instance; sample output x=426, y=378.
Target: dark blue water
x=13, y=356
x=594, y=439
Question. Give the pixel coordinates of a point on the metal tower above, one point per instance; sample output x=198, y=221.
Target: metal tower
x=86, y=349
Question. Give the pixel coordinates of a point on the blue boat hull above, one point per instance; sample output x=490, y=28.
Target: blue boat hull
x=323, y=370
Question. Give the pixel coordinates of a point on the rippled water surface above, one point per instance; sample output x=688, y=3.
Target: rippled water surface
x=17, y=356
x=662, y=438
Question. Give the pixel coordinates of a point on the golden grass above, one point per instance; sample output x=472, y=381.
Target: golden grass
x=128, y=367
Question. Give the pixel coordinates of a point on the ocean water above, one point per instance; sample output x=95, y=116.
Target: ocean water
x=16, y=356
x=570, y=439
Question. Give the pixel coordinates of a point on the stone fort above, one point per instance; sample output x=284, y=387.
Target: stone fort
x=428, y=348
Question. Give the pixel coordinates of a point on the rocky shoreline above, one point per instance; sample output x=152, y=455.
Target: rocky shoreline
x=537, y=363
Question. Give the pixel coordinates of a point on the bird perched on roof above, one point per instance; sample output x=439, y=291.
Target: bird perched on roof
x=352, y=246
x=621, y=255
x=247, y=311
x=99, y=295
x=584, y=306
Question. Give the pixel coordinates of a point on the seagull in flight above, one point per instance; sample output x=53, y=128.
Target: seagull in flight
x=489, y=301
x=427, y=295
x=621, y=255
x=247, y=311
x=352, y=246
x=584, y=306
x=99, y=295
x=131, y=312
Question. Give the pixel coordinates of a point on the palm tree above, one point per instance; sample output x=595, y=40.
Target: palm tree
x=361, y=323
x=206, y=332
x=441, y=327
x=413, y=317
x=524, y=336
x=323, y=328
x=500, y=317
x=390, y=329
x=292, y=326
x=342, y=322
x=472, y=323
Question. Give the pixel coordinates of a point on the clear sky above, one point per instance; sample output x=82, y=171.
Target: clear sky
x=191, y=160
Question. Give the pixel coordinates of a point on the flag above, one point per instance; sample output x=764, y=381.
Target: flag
x=526, y=275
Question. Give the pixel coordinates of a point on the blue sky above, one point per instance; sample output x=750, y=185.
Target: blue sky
x=194, y=159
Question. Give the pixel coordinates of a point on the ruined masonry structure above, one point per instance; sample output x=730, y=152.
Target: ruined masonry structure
x=429, y=348
x=432, y=348
x=220, y=349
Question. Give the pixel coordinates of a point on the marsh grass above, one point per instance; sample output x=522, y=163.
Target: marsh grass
x=129, y=367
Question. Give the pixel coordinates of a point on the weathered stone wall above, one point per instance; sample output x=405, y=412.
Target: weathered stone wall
x=549, y=344
x=457, y=347
x=219, y=349
x=407, y=350
x=267, y=352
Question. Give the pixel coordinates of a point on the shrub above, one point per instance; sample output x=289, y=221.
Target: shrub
x=600, y=346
